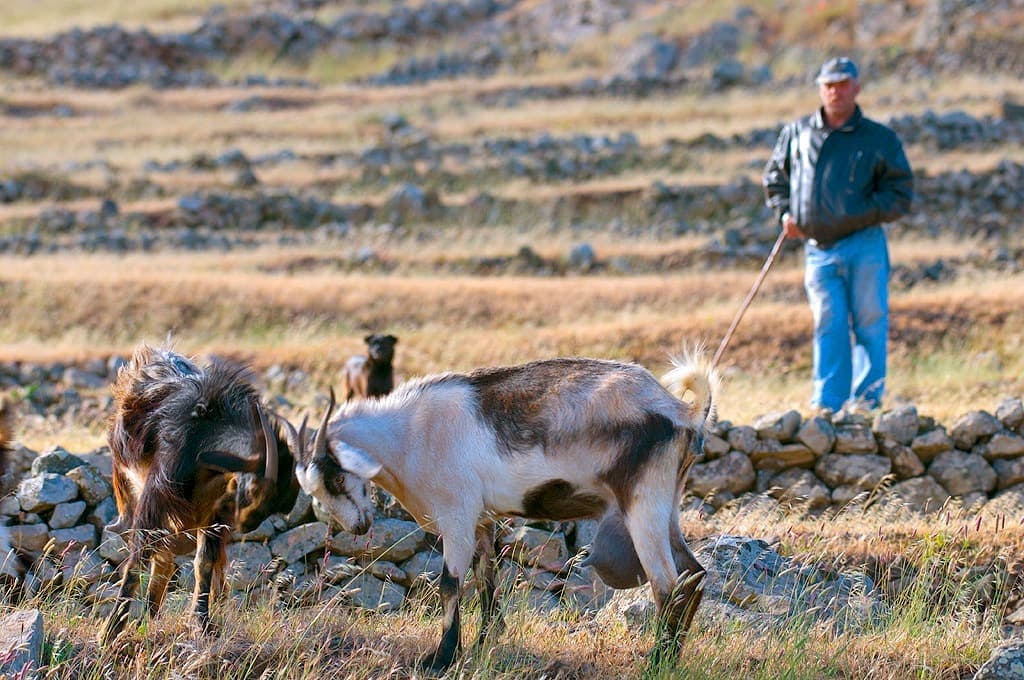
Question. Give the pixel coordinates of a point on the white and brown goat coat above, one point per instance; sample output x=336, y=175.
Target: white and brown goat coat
x=559, y=439
x=193, y=456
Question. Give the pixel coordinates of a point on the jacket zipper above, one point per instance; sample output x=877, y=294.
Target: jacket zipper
x=796, y=207
x=854, y=164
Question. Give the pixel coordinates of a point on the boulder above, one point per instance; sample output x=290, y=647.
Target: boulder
x=715, y=447
x=389, y=539
x=1008, y=472
x=733, y=473
x=1004, y=445
x=582, y=257
x=44, y=491
x=920, y=495
x=742, y=438
x=1009, y=502
x=962, y=473
x=248, y=565
x=21, y=644
x=905, y=463
x=900, y=424
x=29, y=538
x=81, y=535
x=855, y=439
x=1010, y=413
x=55, y=460
x=296, y=543
x=972, y=426
x=861, y=470
x=782, y=457
x=93, y=487
x=797, y=487
x=529, y=546
x=66, y=515
x=747, y=580
x=367, y=592
x=424, y=566
x=781, y=427
x=817, y=434
x=929, y=444
x=1006, y=662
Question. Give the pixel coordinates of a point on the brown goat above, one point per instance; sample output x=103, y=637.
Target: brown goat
x=193, y=456
x=371, y=375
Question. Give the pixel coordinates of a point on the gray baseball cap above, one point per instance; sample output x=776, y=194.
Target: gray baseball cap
x=836, y=70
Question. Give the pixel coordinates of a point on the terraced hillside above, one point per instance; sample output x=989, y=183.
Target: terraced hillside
x=384, y=146
x=495, y=181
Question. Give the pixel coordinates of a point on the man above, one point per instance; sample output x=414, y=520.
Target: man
x=833, y=179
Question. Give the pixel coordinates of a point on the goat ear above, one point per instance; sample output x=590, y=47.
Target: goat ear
x=356, y=460
x=222, y=461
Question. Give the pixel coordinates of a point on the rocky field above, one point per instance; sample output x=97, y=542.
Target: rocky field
x=496, y=181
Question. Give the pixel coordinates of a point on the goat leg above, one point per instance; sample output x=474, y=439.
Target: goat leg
x=688, y=593
x=676, y=612
x=443, y=657
x=118, y=616
x=491, y=620
x=160, y=572
x=125, y=497
x=689, y=588
x=209, y=567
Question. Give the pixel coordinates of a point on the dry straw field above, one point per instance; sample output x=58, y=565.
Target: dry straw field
x=449, y=284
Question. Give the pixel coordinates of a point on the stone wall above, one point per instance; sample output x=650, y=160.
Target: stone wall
x=826, y=461
x=61, y=502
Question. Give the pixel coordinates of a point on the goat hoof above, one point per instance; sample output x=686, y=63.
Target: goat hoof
x=119, y=526
x=434, y=663
x=108, y=634
x=114, y=625
x=206, y=628
x=491, y=632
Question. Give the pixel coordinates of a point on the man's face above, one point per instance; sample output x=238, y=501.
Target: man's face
x=839, y=99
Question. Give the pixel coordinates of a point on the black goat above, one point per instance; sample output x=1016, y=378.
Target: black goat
x=193, y=456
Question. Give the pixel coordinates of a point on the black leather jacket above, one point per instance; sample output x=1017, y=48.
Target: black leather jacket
x=836, y=182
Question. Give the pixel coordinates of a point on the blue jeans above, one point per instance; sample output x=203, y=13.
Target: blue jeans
x=848, y=288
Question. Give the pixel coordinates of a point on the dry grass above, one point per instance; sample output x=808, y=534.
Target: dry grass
x=43, y=17
x=931, y=576
x=955, y=345
x=243, y=304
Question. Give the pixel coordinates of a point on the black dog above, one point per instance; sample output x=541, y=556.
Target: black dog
x=371, y=376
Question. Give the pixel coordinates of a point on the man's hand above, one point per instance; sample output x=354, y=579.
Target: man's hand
x=789, y=226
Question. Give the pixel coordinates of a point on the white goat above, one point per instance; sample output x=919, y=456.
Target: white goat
x=559, y=439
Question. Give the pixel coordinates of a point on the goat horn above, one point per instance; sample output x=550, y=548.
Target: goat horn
x=303, y=426
x=291, y=435
x=270, y=469
x=320, y=446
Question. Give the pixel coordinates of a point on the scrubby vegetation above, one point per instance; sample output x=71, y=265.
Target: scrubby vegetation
x=496, y=182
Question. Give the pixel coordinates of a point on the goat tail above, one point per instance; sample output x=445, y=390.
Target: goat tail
x=693, y=374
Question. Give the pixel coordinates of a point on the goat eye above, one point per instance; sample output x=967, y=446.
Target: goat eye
x=199, y=411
